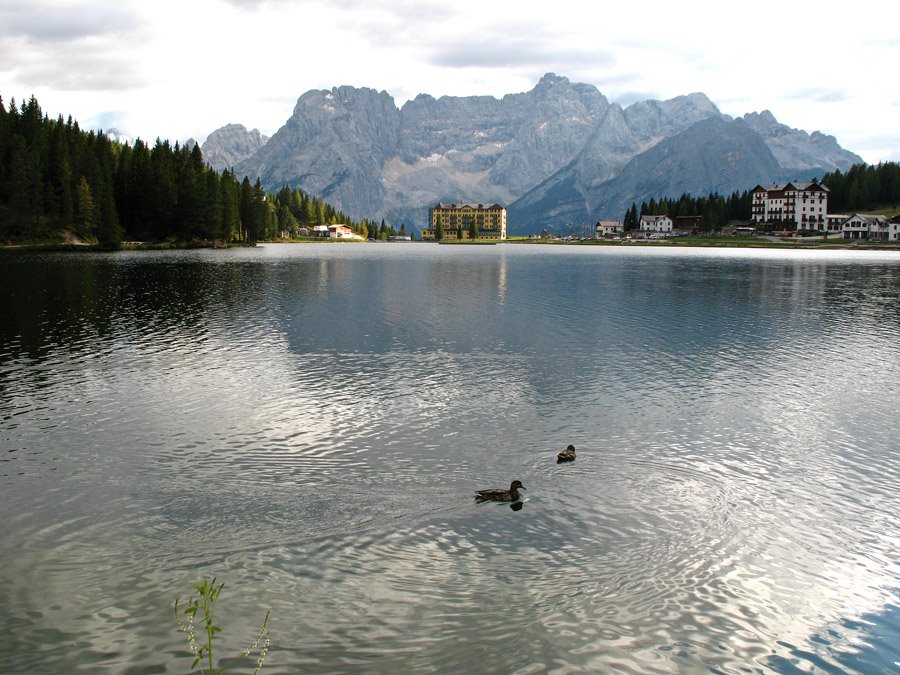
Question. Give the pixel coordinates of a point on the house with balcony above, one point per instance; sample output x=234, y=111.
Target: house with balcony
x=656, y=224
x=791, y=206
x=834, y=222
x=608, y=228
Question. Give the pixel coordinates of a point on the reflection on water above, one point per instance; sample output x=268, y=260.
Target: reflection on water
x=308, y=423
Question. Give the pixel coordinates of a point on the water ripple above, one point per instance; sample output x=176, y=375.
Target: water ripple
x=310, y=423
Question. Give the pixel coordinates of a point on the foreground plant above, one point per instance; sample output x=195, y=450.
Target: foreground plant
x=208, y=592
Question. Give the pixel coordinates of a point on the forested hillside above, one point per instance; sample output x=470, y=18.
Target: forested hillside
x=714, y=211
x=863, y=187
x=55, y=177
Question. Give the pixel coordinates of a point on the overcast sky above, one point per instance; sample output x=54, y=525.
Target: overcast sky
x=182, y=69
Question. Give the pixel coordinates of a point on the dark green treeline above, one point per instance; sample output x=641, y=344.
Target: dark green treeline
x=714, y=211
x=863, y=187
x=54, y=177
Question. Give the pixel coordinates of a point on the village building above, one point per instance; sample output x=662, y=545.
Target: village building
x=338, y=231
x=834, y=222
x=661, y=224
x=872, y=228
x=791, y=206
x=687, y=224
x=459, y=221
x=608, y=228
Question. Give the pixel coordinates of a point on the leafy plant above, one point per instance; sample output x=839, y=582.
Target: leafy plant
x=208, y=592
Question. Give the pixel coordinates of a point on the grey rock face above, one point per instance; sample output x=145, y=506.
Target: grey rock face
x=573, y=195
x=714, y=155
x=335, y=145
x=482, y=149
x=229, y=145
x=796, y=149
x=553, y=154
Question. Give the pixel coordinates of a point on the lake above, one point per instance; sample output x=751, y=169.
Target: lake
x=308, y=423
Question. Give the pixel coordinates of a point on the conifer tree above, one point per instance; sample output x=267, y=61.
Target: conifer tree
x=109, y=231
x=17, y=190
x=86, y=215
x=230, y=200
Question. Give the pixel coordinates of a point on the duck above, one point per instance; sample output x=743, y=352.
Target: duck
x=499, y=494
x=567, y=455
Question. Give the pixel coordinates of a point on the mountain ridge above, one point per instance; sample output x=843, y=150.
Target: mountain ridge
x=558, y=152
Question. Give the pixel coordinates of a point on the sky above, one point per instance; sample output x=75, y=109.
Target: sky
x=179, y=70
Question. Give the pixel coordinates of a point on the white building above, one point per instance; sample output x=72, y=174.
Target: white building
x=792, y=206
x=834, y=222
x=656, y=223
x=340, y=232
x=875, y=228
x=608, y=228
x=334, y=232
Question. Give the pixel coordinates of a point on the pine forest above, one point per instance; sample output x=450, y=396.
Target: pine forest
x=55, y=177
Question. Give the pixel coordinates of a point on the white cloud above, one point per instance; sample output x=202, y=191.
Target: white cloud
x=56, y=46
x=184, y=69
x=43, y=21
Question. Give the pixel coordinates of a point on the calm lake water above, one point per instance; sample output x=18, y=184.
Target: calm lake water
x=308, y=423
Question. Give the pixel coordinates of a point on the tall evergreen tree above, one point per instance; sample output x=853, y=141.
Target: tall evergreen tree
x=109, y=231
x=86, y=215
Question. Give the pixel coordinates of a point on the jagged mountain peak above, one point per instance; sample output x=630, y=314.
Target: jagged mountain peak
x=661, y=118
x=550, y=84
x=230, y=144
x=551, y=79
x=761, y=119
x=798, y=150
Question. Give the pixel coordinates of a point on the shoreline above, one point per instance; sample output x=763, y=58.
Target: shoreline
x=727, y=242
x=693, y=242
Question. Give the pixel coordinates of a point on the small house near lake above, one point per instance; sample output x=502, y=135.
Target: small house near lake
x=872, y=228
x=656, y=224
x=608, y=228
x=333, y=232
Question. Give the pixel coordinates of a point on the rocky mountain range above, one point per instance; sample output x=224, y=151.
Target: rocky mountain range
x=231, y=144
x=559, y=155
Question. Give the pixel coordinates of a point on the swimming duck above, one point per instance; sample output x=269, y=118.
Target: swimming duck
x=567, y=455
x=499, y=494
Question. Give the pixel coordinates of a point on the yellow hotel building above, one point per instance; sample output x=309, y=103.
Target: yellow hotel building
x=458, y=219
